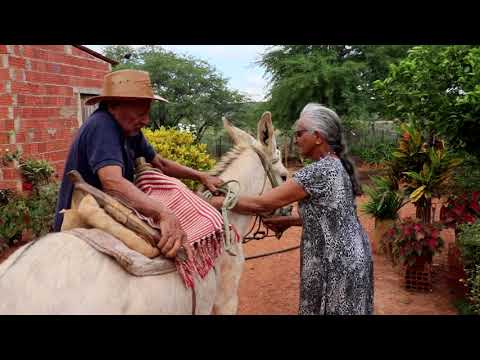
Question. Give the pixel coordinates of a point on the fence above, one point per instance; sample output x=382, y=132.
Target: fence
x=364, y=139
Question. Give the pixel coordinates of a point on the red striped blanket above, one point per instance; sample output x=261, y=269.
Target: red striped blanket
x=202, y=223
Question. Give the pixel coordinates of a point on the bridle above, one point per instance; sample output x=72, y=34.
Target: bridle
x=260, y=234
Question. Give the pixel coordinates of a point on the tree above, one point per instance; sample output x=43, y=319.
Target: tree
x=438, y=87
x=339, y=76
x=198, y=94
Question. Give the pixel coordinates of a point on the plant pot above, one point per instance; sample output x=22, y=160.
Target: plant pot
x=418, y=277
x=421, y=261
x=378, y=233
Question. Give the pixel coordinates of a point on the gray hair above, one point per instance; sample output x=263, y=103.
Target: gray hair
x=326, y=121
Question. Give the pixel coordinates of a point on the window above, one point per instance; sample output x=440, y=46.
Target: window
x=87, y=110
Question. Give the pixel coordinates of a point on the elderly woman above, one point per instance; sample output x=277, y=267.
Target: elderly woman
x=336, y=261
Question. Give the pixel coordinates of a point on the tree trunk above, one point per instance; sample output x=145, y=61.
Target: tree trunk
x=424, y=211
x=201, y=131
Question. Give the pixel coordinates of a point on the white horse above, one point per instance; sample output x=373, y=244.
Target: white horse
x=62, y=274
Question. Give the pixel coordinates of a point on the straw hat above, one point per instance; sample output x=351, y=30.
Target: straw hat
x=126, y=84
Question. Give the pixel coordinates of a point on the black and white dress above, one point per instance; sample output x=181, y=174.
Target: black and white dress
x=336, y=261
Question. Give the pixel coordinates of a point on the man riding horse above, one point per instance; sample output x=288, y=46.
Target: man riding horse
x=106, y=146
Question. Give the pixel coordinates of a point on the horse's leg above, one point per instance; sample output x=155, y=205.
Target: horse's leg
x=229, y=270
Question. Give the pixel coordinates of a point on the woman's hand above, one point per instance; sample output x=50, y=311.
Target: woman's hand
x=277, y=223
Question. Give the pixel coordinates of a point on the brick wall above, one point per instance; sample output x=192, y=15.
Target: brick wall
x=39, y=101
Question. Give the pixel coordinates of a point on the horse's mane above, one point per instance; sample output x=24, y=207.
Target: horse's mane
x=228, y=159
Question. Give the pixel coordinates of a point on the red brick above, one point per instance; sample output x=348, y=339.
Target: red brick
x=8, y=185
x=26, y=100
x=5, y=100
x=4, y=147
x=90, y=83
x=32, y=51
x=60, y=168
x=30, y=149
x=16, y=62
x=3, y=49
x=2, y=86
x=59, y=90
x=3, y=112
x=22, y=87
x=47, y=78
x=54, y=48
x=18, y=74
x=20, y=138
x=4, y=138
x=38, y=65
x=10, y=173
x=56, y=156
x=4, y=74
x=35, y=112
x=16, y=50
x=57, y=101
x=42, y=147
x=6, y=125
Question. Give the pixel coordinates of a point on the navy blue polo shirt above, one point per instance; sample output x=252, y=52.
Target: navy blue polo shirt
x=100, y=142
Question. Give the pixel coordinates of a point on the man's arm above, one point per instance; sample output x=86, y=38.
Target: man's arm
x=173, y=169
x=172, y=235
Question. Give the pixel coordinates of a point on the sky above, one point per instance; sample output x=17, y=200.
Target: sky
x=235, y=62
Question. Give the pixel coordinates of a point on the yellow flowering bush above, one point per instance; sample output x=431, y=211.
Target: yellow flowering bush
x=180, y=146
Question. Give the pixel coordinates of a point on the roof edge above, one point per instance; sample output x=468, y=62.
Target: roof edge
x=96, y=54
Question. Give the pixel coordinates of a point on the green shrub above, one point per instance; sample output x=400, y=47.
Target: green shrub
x=383, y=201
x=374, y=153
x=41, y=209
x=180, y=146
x=469, y=244
x=36, y=172
x=13, y=219
x=474, y=286
x=467, y=176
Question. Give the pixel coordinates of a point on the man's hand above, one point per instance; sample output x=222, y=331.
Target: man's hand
x=217, y=201
x=211, y=182
x=172, y=235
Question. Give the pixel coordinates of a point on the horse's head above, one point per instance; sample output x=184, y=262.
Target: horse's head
x=266, y=142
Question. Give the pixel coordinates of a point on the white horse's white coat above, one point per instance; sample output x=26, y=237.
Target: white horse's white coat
x=62, y=274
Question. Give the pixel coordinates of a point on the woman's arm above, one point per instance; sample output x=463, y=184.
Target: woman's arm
x=280, y=223
x=276, y=198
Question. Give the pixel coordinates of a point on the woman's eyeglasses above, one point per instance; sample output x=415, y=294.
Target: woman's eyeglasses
x=299, y=133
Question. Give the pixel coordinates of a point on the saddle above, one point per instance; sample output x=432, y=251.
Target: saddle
x=202, y=223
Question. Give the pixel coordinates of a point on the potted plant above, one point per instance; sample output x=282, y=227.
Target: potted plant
x=383, y=205
x=424, y=168
x=415, y=243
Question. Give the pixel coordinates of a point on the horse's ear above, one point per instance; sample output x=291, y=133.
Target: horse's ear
x=239, y=137
x=265, y=134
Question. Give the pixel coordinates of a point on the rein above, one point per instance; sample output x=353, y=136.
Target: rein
x=260, y=234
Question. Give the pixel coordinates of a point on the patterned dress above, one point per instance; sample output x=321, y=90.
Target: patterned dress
x=336, y=262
